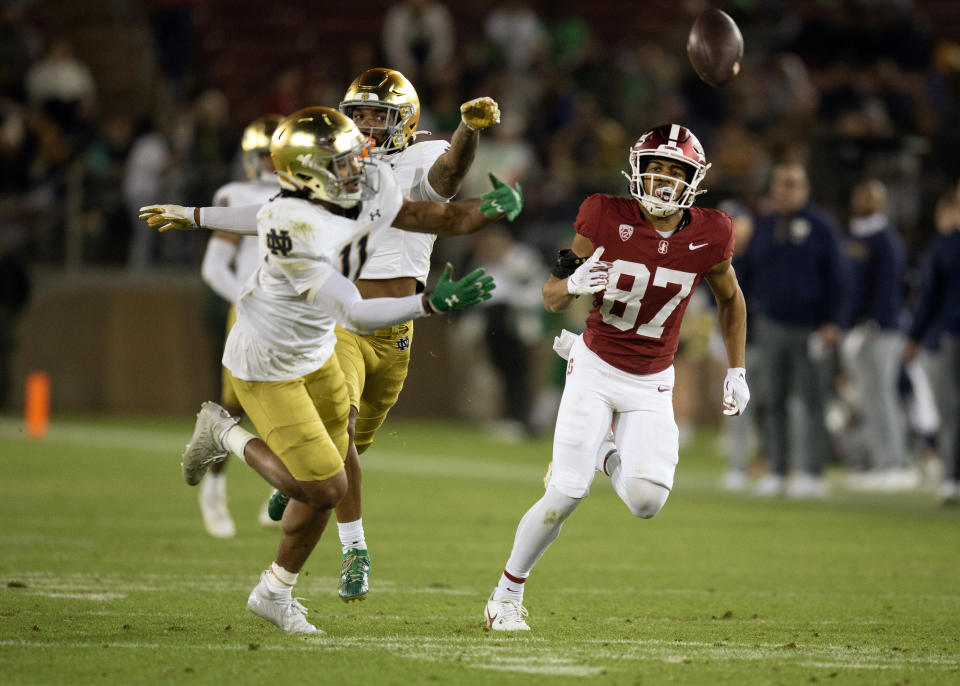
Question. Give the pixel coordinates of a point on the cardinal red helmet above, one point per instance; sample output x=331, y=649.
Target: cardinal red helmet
x=668, y=142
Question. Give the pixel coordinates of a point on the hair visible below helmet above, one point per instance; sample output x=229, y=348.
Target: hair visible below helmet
x=255, y=142
x=318, y=150
x=390, y=90
x=669, y=142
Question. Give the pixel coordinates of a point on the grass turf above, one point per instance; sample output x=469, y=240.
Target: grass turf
x=106, y=576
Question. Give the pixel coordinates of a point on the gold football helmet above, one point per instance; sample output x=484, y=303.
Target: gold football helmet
x=318, y=151
x=255, y=142
x=390, y=90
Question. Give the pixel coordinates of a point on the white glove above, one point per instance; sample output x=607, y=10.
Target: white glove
x=563, y=343
x=591, y=276
x=736, y=395
x=166, y=217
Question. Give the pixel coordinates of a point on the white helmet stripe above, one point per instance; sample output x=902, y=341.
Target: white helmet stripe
x=674, y=133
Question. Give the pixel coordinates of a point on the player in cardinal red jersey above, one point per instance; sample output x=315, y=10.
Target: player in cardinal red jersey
x=640, y=259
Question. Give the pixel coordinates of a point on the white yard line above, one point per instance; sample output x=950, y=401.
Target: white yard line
x=531, y=655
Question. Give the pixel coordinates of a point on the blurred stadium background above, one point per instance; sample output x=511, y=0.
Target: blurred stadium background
x=108, y=105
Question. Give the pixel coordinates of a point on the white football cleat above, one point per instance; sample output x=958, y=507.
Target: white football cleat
x=204, y=448
x=505, y=615
x=284, y=611
x=213, y=507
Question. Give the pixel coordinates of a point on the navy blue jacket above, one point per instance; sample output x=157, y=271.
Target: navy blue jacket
x=939, y=301
x=877, y=263
x=794, y=269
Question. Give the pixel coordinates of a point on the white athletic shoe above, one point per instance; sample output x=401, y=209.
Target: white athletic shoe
x=216, y=516
x=284, y=611
x=949, y=492
x=806, y=487
x=204, y=448
x=769, y=485
x=734, y=480
x=505, y=615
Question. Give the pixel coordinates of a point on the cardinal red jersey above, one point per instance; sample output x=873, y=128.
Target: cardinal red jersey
x=635, y=323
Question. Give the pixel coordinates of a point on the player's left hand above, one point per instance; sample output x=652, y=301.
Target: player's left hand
x=166, y=217
x=503, y=199
x=736, y=395
x=471, y=290
x=480, y=113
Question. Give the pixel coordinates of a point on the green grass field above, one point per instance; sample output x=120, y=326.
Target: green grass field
x=106, y=575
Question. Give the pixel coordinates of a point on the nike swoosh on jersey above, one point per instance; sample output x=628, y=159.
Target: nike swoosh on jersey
x=661, y=389
x=694, y=246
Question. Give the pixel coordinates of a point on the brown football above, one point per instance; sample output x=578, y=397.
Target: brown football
x=715, y=47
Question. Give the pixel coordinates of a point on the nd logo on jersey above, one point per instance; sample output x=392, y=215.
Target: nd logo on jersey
x=279, y=243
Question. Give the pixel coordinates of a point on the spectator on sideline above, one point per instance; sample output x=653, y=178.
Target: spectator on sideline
x=874, y=346
x=795, y=270
x=939, y=305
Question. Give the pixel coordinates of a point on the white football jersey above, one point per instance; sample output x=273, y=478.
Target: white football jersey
x=279, y=335
x=404, y=253
x=236, y=194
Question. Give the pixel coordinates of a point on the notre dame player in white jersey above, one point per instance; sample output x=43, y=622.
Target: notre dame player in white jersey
x=316, y=236
x=227, y=263
x=385, y=106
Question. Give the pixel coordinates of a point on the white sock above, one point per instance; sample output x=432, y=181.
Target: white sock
x=279, y=580
x=214, y=485
x=235, y=439
x=539, y=527
x=510, y=586
x=351, y=535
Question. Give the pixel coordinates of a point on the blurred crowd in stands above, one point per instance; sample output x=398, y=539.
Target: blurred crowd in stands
x=861, y=99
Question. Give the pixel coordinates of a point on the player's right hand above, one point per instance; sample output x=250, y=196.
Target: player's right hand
x=591, y=276
x=736, y=393
x=166, y=217
x=448, y=296
x=503, y=199
x=480, y=113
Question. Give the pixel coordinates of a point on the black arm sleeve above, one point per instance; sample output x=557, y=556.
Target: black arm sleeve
x=567, y=263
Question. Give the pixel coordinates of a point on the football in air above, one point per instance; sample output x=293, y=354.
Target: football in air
x=715, y=47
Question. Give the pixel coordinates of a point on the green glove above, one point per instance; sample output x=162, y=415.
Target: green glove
x=502, y=199
x=450, y=295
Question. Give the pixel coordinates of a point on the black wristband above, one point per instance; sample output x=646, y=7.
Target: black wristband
x=567, y=263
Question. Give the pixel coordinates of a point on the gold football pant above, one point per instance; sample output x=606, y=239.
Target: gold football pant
x=375, y=368
x=227, y=395
x=304, y=421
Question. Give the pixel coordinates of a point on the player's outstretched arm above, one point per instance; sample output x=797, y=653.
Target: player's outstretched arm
x=337, y=295
x=732, y=321
x=240, y=220
x=463, y=216
x=448, y=171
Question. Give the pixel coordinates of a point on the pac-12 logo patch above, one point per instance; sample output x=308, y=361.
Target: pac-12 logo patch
x=625, y=232
x=662, y=248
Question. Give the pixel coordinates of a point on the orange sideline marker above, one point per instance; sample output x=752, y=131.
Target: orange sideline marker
x=37, y=404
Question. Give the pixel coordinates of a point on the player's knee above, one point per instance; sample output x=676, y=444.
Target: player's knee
x=324, y=495
x=645, y=498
